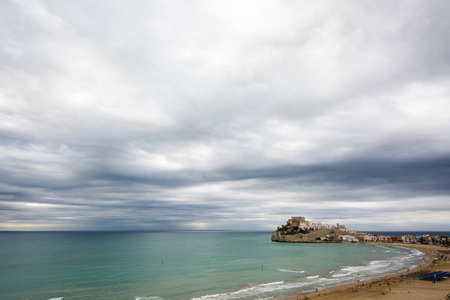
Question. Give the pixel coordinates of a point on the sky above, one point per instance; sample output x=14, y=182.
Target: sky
x=224, y=115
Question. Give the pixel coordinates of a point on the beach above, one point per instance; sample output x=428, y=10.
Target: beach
x=392, y=286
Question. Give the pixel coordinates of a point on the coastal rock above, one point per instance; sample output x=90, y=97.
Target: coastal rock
x=298, y=230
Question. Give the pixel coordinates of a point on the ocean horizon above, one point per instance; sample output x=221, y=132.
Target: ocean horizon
x=182, y=265
x=377, y=232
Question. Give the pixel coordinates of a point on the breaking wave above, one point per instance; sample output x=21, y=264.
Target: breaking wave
x=290, y=271
x=345, y=274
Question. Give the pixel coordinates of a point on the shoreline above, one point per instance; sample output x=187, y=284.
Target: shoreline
x=390, y=286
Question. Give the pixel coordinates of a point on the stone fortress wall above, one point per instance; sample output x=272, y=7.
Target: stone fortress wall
x=299, y=230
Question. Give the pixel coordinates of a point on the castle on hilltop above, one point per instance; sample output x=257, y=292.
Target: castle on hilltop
x=299, y=230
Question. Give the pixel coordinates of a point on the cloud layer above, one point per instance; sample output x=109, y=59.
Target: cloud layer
x=224, y=114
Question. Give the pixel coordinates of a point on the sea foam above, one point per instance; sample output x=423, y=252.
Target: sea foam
x=290, y=271
x=345, y=274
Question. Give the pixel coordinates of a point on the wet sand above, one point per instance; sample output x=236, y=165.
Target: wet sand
x=390, y=287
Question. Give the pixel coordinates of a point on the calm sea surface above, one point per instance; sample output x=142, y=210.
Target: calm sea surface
x=181, y=265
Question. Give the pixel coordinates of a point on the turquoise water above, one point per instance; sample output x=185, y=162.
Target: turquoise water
x=181, y=265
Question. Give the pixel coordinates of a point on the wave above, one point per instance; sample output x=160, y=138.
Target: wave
x=346, y=274
x=341, y=275
x=146, y=298
x=271, y=283
x=290, y=271
x=261, y=291
x=380, y=267
x=57, y=298
x=379, y=264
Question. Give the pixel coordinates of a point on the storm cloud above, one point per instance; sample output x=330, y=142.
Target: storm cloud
x=158, y=115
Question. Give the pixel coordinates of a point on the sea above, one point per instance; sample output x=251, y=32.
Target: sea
x=183, y=265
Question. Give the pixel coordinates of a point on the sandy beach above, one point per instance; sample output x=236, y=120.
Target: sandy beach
x=392, y=287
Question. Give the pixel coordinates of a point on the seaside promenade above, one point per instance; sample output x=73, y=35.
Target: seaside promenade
x=399, y=286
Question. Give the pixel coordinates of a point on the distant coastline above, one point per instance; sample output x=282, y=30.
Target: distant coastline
x=299, y=230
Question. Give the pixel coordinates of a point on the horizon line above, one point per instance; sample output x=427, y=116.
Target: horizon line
x=197, y=230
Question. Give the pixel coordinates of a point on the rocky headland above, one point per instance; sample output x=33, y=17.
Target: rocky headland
x=299, y=230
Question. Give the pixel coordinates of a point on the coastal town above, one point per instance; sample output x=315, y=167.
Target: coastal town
x=299, y=230
x=426, y=281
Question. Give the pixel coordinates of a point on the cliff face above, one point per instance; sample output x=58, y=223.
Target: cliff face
x=316, y=236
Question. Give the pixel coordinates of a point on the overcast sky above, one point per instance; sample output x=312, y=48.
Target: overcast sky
x=224, y=114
